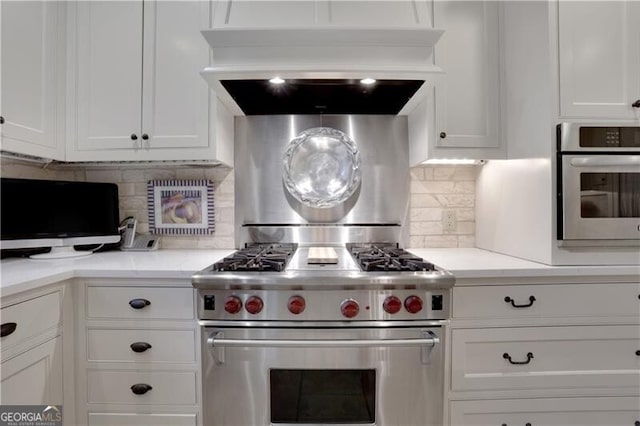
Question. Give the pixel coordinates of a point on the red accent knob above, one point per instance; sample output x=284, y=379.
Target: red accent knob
x=349, y=308
x=253, y=305
x=413, y=304
x=392, y=305
x=232, y=304
x=296, y=305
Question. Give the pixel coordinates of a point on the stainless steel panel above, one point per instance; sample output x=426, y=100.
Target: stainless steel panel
x=261, y=198
x=326, y=234
x=409, y=379
x=570, y=137
x=606, y=229
x=324, y=305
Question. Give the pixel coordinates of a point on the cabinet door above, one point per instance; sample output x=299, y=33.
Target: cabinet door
x=265, y=13
x=621, y=411
x=467, y=105
x=175, y=96
x=34, y=377
x=599, y=58
x=29, y=50
x=109, y=74
x=378, y=13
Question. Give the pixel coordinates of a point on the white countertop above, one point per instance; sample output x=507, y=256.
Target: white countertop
x=18, y=275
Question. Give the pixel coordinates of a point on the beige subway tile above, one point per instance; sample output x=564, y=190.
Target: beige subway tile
x=416, y=241
x=466, y=228
x=226, y=187
x=425, y=228
x=424, y=200
x=465, y=173
x=133, y=203
x=417, y=173
x=216, y=242
x=140, y=188
x=456, y=200
x=466, y=241
x=441, y=241
x=106, y=175
x=189, y=173
x=467, y=215
x=79, y=175
x=464, y=187
x=224, y=230
x=428, y=172
x=126, y=189
x=133, y=175
x=443, y=173
x=218, y=174
x=431, y=187
x=223, y=200
x=65, y=174
x=142, y=227
x=224, y=215
x=159, y=174
x=425, y=214
x=178, y=242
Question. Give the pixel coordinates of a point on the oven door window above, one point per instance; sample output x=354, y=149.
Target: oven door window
x=323, y=396
x=609, y=195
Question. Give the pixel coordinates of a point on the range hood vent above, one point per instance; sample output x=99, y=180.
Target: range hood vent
x=333, y=59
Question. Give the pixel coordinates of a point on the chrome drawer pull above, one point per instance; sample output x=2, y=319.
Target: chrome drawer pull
x=513, y=302
x=139, y=303
x=140, y=346
x=140, y=388
x=529, y=424
x=8, y=328
x=508, y=358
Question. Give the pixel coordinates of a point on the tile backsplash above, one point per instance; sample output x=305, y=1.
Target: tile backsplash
x=442, y=201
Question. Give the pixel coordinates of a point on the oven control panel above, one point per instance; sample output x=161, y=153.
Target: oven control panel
x=319, y=305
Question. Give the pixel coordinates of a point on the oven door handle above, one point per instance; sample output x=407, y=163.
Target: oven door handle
x=217, y=342
x=606, y=161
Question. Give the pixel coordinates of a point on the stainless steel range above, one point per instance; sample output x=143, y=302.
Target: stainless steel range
x=321, y=318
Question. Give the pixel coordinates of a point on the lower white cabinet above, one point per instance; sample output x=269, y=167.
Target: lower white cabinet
x=138, y=350
x=618, y=411
x=129, y=419
x=552, y=352
x=34, y=377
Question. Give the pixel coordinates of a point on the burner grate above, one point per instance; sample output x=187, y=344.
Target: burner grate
x=387, y=257
x=258, y=258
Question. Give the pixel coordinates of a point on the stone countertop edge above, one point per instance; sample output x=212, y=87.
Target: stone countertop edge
x=20, y=275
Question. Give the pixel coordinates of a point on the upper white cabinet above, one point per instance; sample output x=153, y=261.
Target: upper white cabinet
x=461, y=116
x=139, y=95
x=599, y=59
x=300, y=13
x=467, y=104
x=30, y=53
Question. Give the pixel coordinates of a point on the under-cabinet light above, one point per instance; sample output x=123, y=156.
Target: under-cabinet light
x=368, y=81
x=452, y=161
x=276, y=80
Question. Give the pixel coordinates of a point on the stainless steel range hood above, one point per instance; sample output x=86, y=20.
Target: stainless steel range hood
x=323, y=65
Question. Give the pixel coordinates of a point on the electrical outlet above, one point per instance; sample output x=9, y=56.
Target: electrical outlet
x=449, y=221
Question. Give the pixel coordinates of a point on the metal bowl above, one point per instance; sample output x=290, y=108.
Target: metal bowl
x=321, y=167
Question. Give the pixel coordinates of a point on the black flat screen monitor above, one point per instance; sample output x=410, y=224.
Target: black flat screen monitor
x=47, y=213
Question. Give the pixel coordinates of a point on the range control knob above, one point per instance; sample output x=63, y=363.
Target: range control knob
x=349, y=308
x=296, y=305
x=413, y=304
x=392, y=305
x=253, y=305
x=232, y=304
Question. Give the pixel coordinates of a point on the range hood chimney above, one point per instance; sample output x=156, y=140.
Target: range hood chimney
x=322, y=69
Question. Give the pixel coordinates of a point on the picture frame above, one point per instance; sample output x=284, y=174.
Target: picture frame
x=180, y=207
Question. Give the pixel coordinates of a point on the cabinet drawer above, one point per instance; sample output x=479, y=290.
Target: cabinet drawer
x=619, y=411
x=557, y=300
x=560, y=357
x=177, y=346
x=167, y=387
x=32, y=317
x=128, y=419
x=163, y=303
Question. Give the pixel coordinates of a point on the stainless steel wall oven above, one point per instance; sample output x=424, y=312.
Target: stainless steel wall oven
x=598, y=184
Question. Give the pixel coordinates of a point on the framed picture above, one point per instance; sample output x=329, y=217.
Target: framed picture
x=180, y=207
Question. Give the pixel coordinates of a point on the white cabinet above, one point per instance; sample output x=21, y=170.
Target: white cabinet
x=622, y=411
x=599, y=59
x=460, y=117
x=301, y=13
x=31, y=350
x=34, y=377
x=561, y=352
x=31, y=53
x=138, y=353
x=139, y=95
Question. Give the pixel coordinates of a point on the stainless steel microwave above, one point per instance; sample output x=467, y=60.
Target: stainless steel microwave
x=598, y=184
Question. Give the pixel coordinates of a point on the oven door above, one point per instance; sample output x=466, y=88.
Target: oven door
x=601, y=198
x=339, y=376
